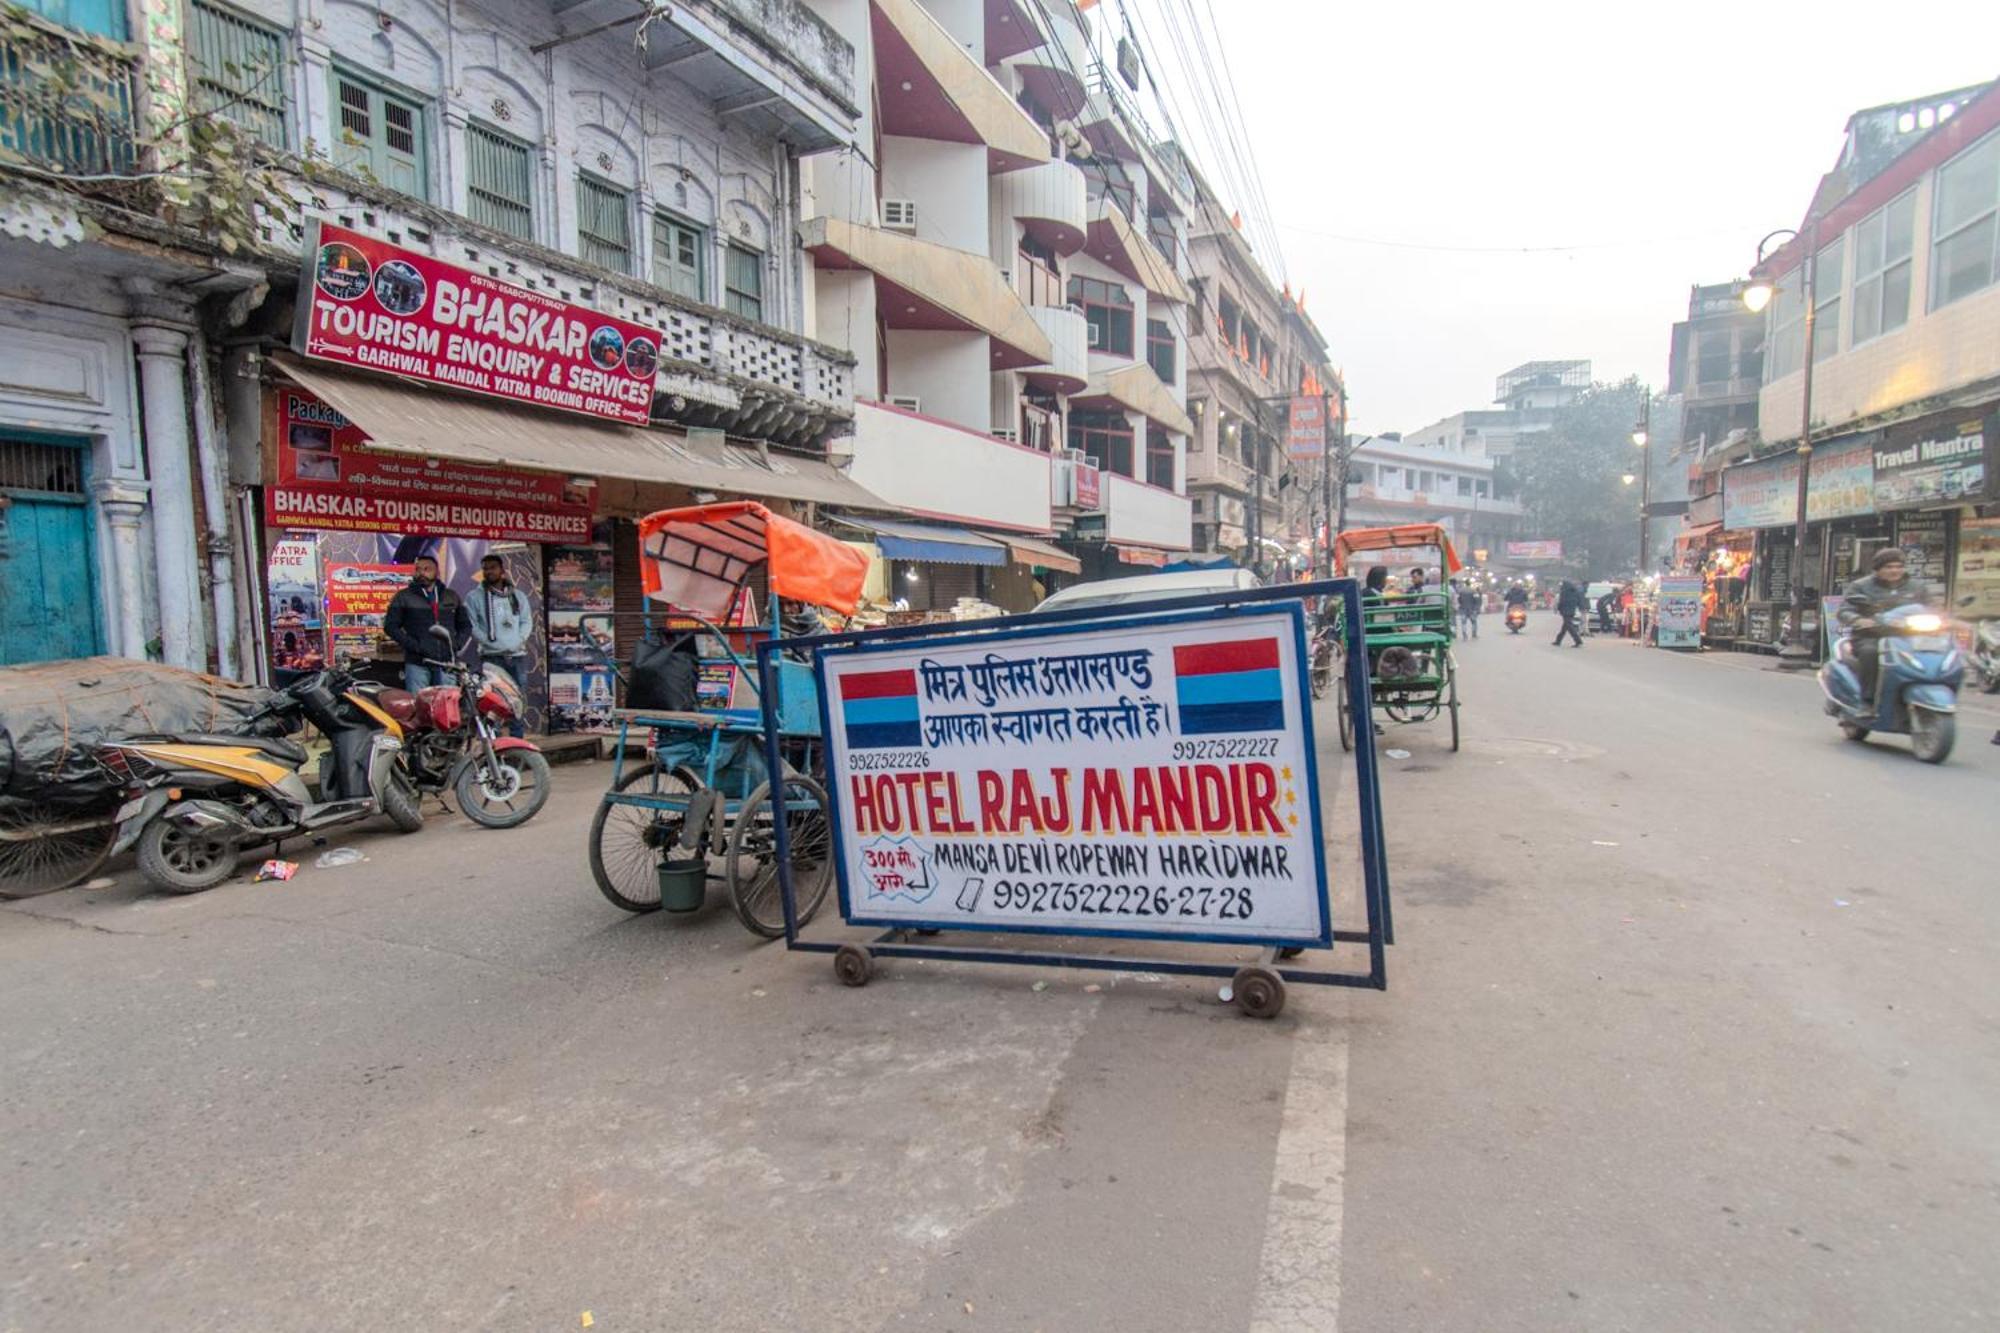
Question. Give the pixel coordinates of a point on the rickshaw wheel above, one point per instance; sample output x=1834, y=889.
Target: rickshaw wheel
x=853, y=965
x=751, y=869
x=626, y=841
x=1259, y=992
x=1346, y=718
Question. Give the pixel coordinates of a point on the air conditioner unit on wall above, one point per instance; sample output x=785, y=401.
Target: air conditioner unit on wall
x=909, y=402
x=1005, y=434
x=899, y=214
x=1096, y=335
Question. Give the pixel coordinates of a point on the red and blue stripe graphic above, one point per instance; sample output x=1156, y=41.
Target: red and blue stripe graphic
x=1234, y=685
x=880, y=709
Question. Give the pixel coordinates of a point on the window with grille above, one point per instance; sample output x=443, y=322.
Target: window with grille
x=603, y=224
x=678, y=248
x=379, y=134
x=743, y=283
x=499, y=181
x=45, y=469
x=240, y=71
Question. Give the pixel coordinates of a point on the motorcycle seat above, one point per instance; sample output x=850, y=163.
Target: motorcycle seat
x=289, y=753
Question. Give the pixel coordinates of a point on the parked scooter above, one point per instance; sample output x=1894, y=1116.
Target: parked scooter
x=1325, y=657
x=1986, y=656
x=193, y=802
x=452, y=742
x=1517, y=618
x=1916, y=688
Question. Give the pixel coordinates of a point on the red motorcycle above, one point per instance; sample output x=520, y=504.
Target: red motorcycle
x=452, y=742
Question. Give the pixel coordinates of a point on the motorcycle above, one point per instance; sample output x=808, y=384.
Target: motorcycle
x=1916, y=687
x=1517, y=618
x=194, y=801
x=452, y=742
x=1986, y=656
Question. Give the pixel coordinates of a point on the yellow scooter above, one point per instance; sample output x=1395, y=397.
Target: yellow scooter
x=193, y=802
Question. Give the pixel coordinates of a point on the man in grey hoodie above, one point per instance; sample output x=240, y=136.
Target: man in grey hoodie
x=501, y=624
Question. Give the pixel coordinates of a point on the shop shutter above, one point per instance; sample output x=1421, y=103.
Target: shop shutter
x=948, y=583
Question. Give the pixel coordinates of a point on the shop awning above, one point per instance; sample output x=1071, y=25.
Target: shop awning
x=1699, y=532
x=427, y=422
x=926, y=542
x=1028, y=551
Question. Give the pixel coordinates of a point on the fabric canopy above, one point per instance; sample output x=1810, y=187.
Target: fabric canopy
x=1029, y=551
x=434, y=422
x=931, y=544
x=1690, y=536
x=696, y=558
x=1383, y=539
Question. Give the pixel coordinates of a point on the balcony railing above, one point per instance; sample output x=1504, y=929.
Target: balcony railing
x=1038, y=285
x=66, y=99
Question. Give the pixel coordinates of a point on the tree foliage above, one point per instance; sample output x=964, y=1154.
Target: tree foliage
x=1572, y=479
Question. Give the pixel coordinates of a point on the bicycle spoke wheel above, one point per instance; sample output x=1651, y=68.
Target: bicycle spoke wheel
x=43, y=849
x=752, y=868
x=628, y=842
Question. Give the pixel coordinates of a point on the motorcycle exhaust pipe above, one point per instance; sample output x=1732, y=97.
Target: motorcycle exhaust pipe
x=208, y=818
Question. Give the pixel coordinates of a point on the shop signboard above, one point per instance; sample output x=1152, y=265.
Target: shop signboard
x=1305, y=438
x=1940, y=460
x=298, y=610
x=1765, y=494
x=1535, y=550
x=580, y=684
x=328, y=478
x=1976, y=590
x=1678, y=608
x=1762, y=621
x=1089, y=486
x=1152, y=780
x=357, y=597
x=1923, y=538
x=371, y=305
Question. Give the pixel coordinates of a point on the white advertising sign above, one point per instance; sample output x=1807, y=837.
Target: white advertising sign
x=1147, y=780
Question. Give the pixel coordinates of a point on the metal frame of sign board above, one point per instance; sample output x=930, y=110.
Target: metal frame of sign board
x=900, y=939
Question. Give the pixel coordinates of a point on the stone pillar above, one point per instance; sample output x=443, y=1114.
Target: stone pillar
x=123, y=504
x=163, y=391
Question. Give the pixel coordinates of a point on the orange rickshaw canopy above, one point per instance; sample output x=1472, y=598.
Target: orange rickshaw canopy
x=696, y=558
x=1399, y=537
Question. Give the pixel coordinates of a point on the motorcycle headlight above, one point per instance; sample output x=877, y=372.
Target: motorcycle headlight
x=1923, y=623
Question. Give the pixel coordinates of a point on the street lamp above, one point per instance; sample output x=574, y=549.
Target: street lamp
x=1641, y=433
x=1793, y=654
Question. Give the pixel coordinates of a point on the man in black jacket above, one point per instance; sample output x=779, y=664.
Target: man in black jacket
x=1569, y=605
x=412, y=611
x=1887, y=586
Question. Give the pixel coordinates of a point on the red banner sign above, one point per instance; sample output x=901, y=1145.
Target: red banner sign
x=1305, y=437
x=1089, y=486
x=328, y=479
x=364, y=302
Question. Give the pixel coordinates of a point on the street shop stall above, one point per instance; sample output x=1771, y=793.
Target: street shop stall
x=930, y=573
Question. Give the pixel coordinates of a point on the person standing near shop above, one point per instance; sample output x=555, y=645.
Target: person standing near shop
x=425, y=602
x=501, y=624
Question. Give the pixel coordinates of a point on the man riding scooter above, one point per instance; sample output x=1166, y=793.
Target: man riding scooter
x=1888, y=585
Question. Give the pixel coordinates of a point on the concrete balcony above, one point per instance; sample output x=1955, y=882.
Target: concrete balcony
x=1048, y=70
x=1051, y=201
x=932, y=88
x=1146, y=515
x=1068, y=368
x=1135, y=388
x=935, y=469
x=1116, y=242
x=1213, y=469
x=771, y=68
x=922, y=285
x=716, y=369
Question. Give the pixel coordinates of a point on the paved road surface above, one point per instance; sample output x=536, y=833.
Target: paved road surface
x=1691, y=1026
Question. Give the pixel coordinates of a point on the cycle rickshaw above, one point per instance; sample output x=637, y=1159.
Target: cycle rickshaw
x=690, y=783
x=1412, y=674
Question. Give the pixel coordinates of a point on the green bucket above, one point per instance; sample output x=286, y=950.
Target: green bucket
x=684, y=884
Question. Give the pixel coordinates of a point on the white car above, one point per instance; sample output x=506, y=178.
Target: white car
x=1151, y=588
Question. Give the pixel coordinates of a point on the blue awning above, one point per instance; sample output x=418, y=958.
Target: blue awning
x=927, y=542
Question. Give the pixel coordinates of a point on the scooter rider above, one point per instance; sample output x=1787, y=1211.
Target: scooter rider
x=1886, y=587
x=1517, y=596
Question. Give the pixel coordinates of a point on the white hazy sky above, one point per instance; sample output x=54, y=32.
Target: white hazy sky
x=1666, y=138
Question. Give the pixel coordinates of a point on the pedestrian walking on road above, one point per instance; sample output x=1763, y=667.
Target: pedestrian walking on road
x=1468, y=610
x=501, y=625
x=1569, y=605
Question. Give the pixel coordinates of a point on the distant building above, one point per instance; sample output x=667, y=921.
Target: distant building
x=1716, y=364
x=1392, y=480
x=1528, y=396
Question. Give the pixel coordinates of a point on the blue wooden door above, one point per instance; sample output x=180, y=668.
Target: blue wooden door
x=48, y=592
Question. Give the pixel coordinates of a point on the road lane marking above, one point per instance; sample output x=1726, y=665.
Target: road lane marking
x=1298, y=1275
